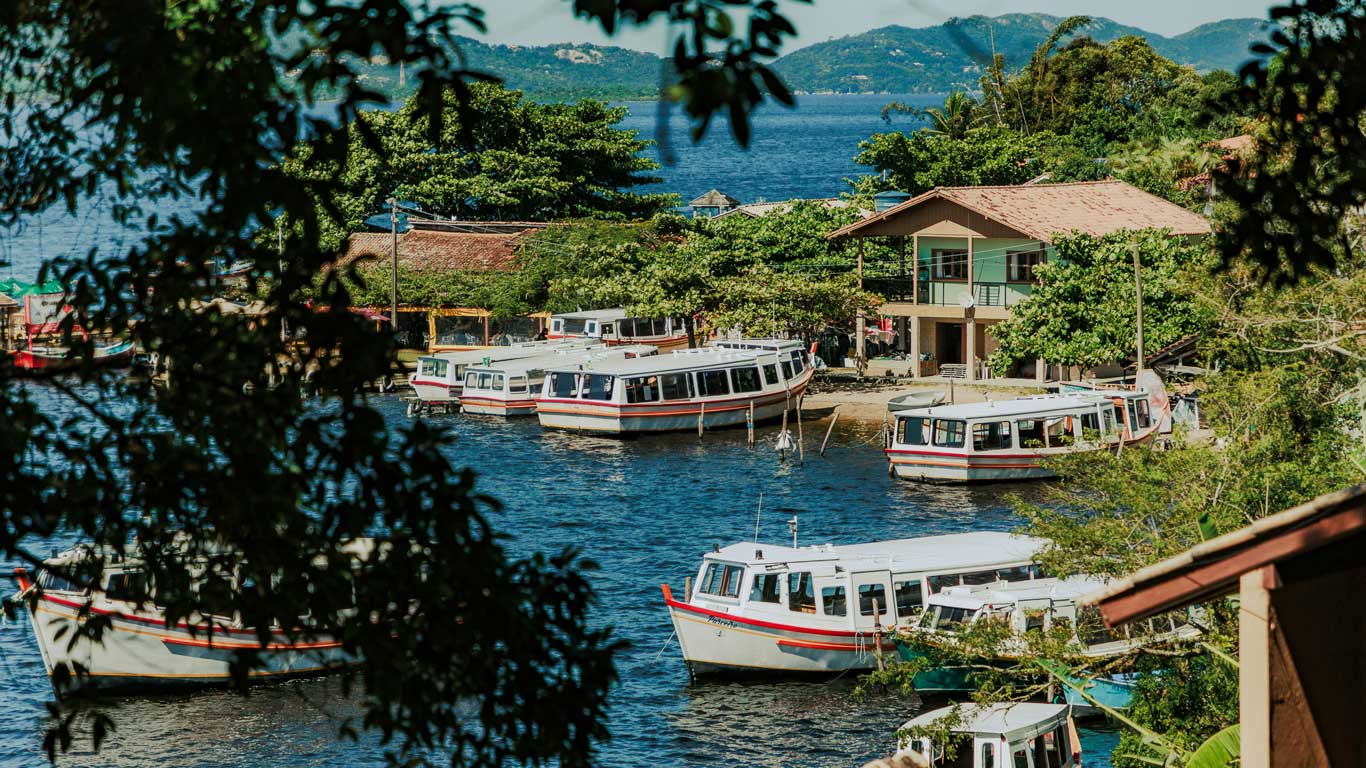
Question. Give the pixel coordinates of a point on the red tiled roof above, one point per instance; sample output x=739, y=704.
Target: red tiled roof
x=432, y=251
x=1040, y=211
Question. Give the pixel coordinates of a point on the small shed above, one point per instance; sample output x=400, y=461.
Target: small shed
x=713, y=203
x=1300, y=576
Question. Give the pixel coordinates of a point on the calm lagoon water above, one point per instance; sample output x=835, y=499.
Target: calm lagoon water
x=644, y=509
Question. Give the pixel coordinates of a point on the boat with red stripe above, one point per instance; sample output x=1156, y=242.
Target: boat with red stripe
x=763, y=609
x=509, y=388
x=728, y=384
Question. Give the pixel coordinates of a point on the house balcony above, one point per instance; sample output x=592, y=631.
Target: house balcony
x=947, y=292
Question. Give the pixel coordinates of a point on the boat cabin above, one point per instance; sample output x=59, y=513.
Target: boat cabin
x=857, y=586
x=997, y=735
x=440, y=377
x=509, y=387
x=614, y=326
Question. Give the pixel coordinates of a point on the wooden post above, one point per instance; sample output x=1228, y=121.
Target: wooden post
x=701, y=415
x=970, y=331
x=834, y=417
x=749, y=423
x=915, y=269
x=1254, y=666
x=877, y=634
x=801, y=445
x=782, y=453
x=1040, y=371
x=1138, y=307
x=393, y=263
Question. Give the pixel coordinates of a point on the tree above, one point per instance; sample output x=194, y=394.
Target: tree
x=500, y=157
x=464, y=652
x=960, y=114
x=1083, y=312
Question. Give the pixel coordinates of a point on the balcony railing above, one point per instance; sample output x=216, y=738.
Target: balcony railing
x=942, y=293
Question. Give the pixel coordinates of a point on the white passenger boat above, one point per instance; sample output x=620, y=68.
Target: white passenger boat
x=440, y=377
x=715, y=387
x=996, y=735
x=613, y=326
x=1012, y=439
x=509, y=388
x=139, y=650
x=767, y=609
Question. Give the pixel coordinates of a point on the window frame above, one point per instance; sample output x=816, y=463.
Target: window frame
x=945, y=263
x=1015, y=267
x=962, y=433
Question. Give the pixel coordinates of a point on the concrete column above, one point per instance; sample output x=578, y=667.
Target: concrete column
x=1039, y=367
x=915, y=346
x=971, y=332
x=1254, y=666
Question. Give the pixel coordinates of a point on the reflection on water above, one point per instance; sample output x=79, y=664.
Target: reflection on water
x=644, y=509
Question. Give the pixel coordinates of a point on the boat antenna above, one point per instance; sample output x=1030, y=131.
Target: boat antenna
x=792, y=526
x=756, y=517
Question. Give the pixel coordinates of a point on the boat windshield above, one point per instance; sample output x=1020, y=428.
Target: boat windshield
x=946, y=618
x=913, y=430
x=50, y=581
x=574, y=325
x=432, y=366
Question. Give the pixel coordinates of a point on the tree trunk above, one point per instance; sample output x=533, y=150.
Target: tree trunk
x=691, y=325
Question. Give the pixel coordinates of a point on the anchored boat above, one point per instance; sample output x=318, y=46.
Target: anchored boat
x=720, y=386
x=140, y=650
x=761, y=608
x=117, y=353
x=613, y=326
x=509, y=388
x=996, y=735
x=1012, y=439
x=1044, y=606
x=439, y=378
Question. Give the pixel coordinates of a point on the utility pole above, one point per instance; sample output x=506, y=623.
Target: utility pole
x=859, y=322
x=393, y=263
x=1138, y=305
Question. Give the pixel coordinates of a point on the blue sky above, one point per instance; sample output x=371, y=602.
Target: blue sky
x=540, y=22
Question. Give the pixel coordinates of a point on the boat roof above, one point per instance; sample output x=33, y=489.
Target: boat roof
x=616, y=313
x=511, y=352
x=1011, y=720
x=926, y=553
x=679, y=360
x=1002, y=593
x=768, y=345
x=1039, y=405
x=562, y=358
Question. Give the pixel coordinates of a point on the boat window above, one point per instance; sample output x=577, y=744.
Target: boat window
x=573, y=325
x=1046, y=752
x=1030, y=432
x=676, y=386
x=908, y=597
x=1035, y=620
x=53, y=582
x=991, y=436
x=949, y=433
x=913, y=430
x=129, y=585
x=937, y=583
x=765, y=589
x=517, y=384
x=1143, y=421
x=867, y=593
x=787, y=369
x=1020, y=758
x=1018, y=573
x=1063, y=740
x=721, y=579
x=591, y=328
x=745, y=379
x=432, y=366
x=979, y=577
x=950, y=618
x=797, y=363
x=563, y=384
x=497, y=382
x=833, y=602
x=606, y=329
x=471, y=379
x=712, y=383
x=1090, y=426
x=556, y=325
x=642, y=389
x=801, y=594
x=771, y=374
x=988, y=756
x=597, y=386
x=216, y=594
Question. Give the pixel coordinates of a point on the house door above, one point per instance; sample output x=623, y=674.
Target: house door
x=948, y=342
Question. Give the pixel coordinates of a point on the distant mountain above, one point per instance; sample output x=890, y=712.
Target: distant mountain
x=893, y=59
x=951, y=56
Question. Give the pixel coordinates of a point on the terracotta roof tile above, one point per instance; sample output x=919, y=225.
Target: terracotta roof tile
x=432, y=251
x=1040, y=211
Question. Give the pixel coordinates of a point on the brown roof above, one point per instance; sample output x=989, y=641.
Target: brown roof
x=433, y=251
x=714, y=199
x=1212, y=568
x=1039, y=211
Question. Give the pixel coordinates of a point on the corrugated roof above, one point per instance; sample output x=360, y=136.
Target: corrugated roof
x=1040, y=211
x=435, y=251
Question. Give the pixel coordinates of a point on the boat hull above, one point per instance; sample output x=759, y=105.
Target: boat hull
x=432, y=391
x=1113, y=691
x=491, y=406
x=925, y=466
x=114, y=356
x=611, y=418
x=933, y=680
x=715, y=643
x=137, y=653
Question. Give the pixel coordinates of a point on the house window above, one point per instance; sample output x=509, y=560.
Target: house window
x=1020, y=265
x=949, y=264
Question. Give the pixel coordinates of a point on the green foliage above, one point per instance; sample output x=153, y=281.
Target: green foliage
x=1083, y=310
x=920, y=161
x=1192, y=701
x=1220, y=750
x=502, y=157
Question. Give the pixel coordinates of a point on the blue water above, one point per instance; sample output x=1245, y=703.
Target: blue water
x=644, y=509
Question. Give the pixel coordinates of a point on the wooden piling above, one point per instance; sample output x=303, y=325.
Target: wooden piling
x=701, y=416
x=834, y=417
x=801, y=444
x=877, y=635
x=782, y=453
x=749, y=423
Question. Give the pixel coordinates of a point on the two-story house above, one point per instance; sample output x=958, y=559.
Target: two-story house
x=968, y=254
